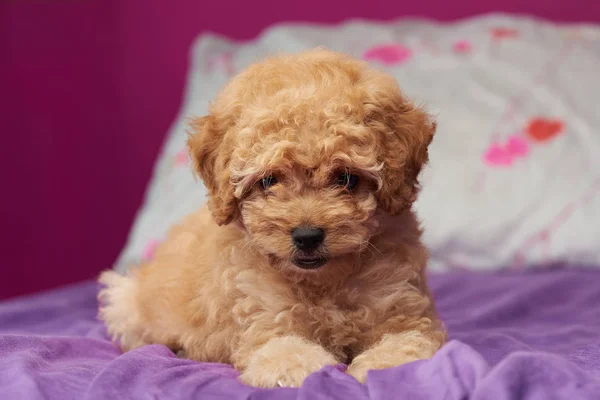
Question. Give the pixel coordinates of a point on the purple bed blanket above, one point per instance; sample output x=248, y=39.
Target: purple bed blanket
x=514, y=335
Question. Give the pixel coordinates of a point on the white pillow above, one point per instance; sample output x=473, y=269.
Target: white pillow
x=514, y=177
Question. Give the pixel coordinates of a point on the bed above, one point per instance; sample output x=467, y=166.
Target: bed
x=509, y=205
x=513, y=335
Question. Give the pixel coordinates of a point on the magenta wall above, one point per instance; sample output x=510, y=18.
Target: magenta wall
x=87, y=90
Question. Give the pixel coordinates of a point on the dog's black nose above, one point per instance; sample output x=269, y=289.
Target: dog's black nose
x=308, y=238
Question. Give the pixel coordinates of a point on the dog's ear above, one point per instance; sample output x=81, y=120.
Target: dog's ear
x=405, y=132
x=210, y=152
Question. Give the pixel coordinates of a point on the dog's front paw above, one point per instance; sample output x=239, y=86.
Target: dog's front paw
x=391, y=351
x=366, y=362
x=285, y=361
x=359, y=368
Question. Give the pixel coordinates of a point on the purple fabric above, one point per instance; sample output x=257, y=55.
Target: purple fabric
x=526, y=335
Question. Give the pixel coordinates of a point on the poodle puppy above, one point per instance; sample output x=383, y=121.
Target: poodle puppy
x=308, y=253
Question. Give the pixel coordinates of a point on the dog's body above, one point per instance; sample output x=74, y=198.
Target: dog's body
x=308, y=253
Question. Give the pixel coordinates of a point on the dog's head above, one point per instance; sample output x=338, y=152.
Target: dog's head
x=308, y=153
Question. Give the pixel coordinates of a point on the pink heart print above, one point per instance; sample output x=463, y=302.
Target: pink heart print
x=181, y=157
x=498, y=155
x=462, y=46
x=223, y=62
x=388, y=54
x=504, y=33
x=150, y=249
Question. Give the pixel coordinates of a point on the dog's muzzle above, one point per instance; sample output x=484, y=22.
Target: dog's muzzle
x=308, y=239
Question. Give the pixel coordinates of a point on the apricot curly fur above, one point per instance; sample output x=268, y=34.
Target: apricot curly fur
x=223, y=286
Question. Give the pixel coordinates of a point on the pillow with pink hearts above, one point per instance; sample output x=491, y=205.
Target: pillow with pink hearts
x=514, y=173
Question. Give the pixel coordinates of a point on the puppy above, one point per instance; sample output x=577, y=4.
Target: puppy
x=308, y=253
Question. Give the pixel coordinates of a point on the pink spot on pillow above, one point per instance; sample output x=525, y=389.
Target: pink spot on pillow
x=503, y=155
x=497, y=156
x=150, y=249
x=517, y=146
x=222, y=62
x=544, y=129
x=462, y=46
x=504, y=33
x=181, y=158
x=389, y=54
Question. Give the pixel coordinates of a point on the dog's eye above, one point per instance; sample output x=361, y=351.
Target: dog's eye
x=268, y=181
x=347, y=180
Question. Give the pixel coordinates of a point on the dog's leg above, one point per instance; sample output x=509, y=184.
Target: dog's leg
x=120, y=311
x=396, y=349
x=120, y=308
x=284, y=361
